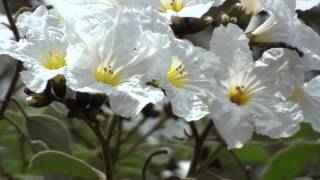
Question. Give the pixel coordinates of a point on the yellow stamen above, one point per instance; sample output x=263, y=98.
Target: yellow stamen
x=174, y=5
x=297, y=95
x=54, y=61
x=239, y=95
x=177, y=75
x=105, y=74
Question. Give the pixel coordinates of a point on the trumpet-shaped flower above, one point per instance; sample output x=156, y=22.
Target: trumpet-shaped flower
x=42, y=49
x=113, y=59
x=180, y=73
x=244, y=99
x=277, y=22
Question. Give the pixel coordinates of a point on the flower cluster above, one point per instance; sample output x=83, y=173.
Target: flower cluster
x=127, y=50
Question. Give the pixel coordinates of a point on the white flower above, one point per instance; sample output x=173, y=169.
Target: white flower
x=180, y=73
x=244, y=99
x=112, y=59
x=279, y=23
x=42, y=51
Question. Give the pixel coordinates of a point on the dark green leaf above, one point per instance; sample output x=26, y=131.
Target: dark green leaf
x=64, y=164
x=291, y=161
x=51, y=131
x=253, y=154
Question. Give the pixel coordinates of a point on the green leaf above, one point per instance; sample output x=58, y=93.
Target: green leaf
x=291, y=161
x=64, y=164
x=253, y=154
x=49, y=130
x=39, y=145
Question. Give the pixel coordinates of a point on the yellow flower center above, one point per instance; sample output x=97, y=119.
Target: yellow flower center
x=239, y=95
x=105, y=74
x=297, y=95
x=54, y=61
x=174, y=5
x=177, y=74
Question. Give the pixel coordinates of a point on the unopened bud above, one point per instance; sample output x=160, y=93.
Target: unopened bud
x=208, y=19
x=234, y=20
x=59, y=86
x=96, y=115
x=225, y=19
x=39, y=100
x=31, y=100
x=96, y=100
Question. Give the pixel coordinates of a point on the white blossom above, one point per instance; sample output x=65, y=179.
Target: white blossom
x=113, y=58
x=277, y=22
x=42, y=48
x=244, y=99
x=179, y=71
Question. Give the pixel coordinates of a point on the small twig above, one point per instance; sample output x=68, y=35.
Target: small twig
x=150, y=132
x=194, y=130
x=211, y=157
x=105, y=143
x=198, y=143
x=133, y=130
x=118, y=142
x=147, y=162
x=214, y=175
x=18, y=66
x=243, y=167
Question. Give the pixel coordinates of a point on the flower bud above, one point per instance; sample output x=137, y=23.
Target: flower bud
x=96, y=100
x=38, y=100
x=225, y=19
x=59, y=86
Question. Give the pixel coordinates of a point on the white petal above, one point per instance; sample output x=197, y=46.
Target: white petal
x=277, y=121
x=195, y=11
x=233, y=125
x=186, y=105
x=132, y=97
x=36, y=77
x=228, y=42
x=306, y=4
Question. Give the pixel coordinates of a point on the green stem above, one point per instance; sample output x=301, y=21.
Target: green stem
x=105, y=143
x=150, y=132
x=243, y=167
x=18, y=65
x=118, y=142
x=211, y=157
x=198, y=143
x=133, y=130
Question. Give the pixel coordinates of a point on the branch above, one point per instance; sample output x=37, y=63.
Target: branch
x=18, y=65
x=211, y=157
x=105, y=143
x=198, y=143
x=243, y=167
x=147, y=162
x=149, y=133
